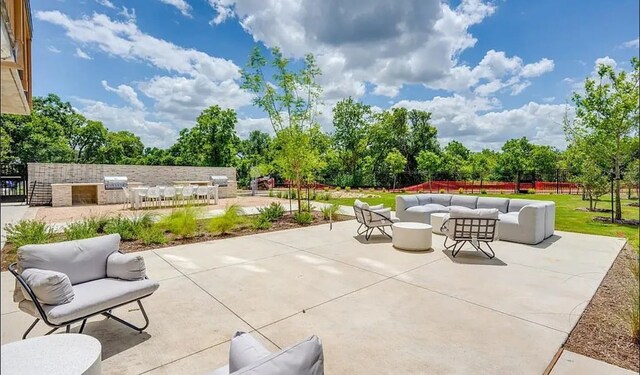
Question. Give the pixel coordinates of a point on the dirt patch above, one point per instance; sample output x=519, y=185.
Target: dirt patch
x=634, y=204
x=630, y=222
x=284, y=223
x=586, y=209
x=603, y=331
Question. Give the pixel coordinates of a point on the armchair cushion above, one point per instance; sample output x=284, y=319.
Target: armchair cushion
x=49, y=287
x=245, y=350
x=93, y=297
x=81, y=260
x=466, y=213
x=304, y=358
x=126, y=266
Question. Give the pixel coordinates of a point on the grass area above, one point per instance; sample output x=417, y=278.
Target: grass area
x=568, y=218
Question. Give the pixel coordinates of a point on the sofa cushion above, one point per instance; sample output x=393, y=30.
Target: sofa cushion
x=93, y=297
x=483, y=213
x=245, y=350
x=304, y=358
x=81, y=260
x=468, y=201
x=511, y=218
x=443, y=199
x=516, y=205
x=50, y=287
x=126, y=266
x=502, y=204
x=424, y=199
x=428, y=208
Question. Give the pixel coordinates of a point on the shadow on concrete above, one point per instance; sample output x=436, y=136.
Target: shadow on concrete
x=114, y=337
x=474, y=257
x=374, y=239
x=548, y=242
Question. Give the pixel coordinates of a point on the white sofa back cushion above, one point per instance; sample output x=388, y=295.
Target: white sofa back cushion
x=244, y=351
x=443, y=199
x=81, y=260
x=501, y=204
x=304, y=358
x=484, y=213
x=468, y=201
x=515, y=205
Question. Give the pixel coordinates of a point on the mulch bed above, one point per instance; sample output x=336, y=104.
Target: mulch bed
x=607, y=220
x=586, y=209
x=603, y=331
x=284, y=223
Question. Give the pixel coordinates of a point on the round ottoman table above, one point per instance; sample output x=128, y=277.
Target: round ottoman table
x=412, y=236
x=65, y=353
x=436, y=221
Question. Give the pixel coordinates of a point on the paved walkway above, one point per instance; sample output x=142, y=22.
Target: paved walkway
x=571, y=363
x=11, y=213
x=377, y=310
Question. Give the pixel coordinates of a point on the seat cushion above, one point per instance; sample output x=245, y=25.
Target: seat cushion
x=485, y=213
x=93, y=297
x=50, y=287
x=428, y=208
x=244, y=351
x=81, y=260
x=502, y=204
x=468, y=201
x=304, y=358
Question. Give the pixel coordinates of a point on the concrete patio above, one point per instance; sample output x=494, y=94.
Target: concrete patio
x=377, y=310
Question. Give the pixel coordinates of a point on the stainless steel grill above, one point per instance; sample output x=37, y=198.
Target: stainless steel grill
x=115, y=182
x=220, y=180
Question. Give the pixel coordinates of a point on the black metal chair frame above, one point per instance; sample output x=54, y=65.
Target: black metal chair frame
x=475, y=231
x=105, y=312
x=368, y=230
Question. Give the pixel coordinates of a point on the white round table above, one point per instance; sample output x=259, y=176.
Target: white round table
x=436, y=221
x=412, y=236
x=61, y=354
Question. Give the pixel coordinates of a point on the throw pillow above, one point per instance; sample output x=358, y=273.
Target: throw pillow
x=126, y=266
x=50, y=287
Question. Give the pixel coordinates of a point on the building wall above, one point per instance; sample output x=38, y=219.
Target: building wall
x=152, y=175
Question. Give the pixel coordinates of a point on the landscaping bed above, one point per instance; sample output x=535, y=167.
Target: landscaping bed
x=182, y=226
x=630, y=222
x=604, y=331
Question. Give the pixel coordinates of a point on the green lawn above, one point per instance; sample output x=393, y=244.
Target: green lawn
x=567, y=217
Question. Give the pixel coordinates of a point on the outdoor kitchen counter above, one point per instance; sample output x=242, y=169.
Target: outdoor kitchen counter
x=79, y=193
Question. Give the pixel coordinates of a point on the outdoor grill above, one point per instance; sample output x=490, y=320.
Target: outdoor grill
x=115, y=182
x=220, y=180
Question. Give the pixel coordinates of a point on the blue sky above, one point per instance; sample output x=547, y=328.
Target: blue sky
x=488, y=71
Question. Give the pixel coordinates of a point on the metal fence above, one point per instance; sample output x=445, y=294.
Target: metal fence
x=13, y=183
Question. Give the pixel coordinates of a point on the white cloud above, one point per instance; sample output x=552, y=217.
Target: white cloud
x=181, y=5
x=604, y=61
x=106, y=3
x=129, y=15
x=480, y=122
x=126, y=92
x=548, y=99
x=635, y=43
x=388, y=44
x=125, y=40
x=222, y=12
x=81, y=54
x=151, y=132
x=53, y=49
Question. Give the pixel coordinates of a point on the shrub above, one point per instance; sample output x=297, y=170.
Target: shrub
x=231, y=218
x=81, y=229
x=182, y=222
x=27, y=232
x=128, y=228
x=261, y=222
x=306, y=207
x=303, y=218
x=337, y=188
x=633, y=314
x=460, y=190
x=152, y=235
x=347, y=188
x=272, y=212
x=384, y=190
x=271, y=193
x=372, y=190
x=294, y=194
x=360, y=189
x=326, y=188
x=420, y=191
x=531, y=191
x=326, y=196
x=441, y=191
x=483, y=191
x=330, y=211
x=403, y=191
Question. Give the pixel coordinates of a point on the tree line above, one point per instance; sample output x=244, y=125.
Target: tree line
x=397, y=146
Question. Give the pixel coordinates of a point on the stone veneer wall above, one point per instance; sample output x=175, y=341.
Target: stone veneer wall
x=152, y=175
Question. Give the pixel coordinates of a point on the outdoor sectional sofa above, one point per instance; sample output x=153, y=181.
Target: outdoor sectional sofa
x=521, y=220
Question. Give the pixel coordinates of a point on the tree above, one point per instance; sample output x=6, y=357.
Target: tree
x=88, y=140
x=606, y=118
x=515, y=159
x=396, y=162
x=632, y=178
x=429, y=164
x=350, y=121
x=544, y=160
x=122, y=147
x=483, y=164
x=291, y=102
x=594, y=182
